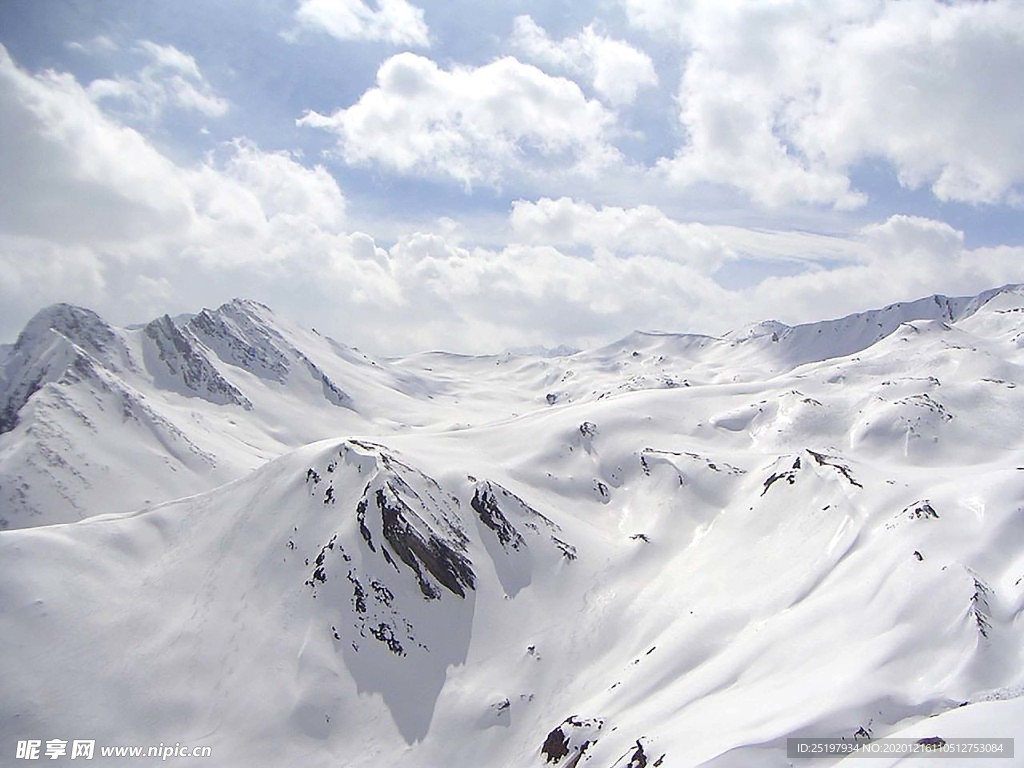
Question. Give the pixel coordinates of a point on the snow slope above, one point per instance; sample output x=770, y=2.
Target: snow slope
x=803, y=545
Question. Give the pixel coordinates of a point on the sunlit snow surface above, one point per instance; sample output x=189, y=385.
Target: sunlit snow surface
x=673, y=547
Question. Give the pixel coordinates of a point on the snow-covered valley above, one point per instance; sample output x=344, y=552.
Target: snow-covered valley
x=675, y=550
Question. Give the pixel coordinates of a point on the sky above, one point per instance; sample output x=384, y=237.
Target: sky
x=407, y=175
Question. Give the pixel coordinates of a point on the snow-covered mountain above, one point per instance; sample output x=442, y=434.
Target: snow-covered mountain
x=672, y=551
x=95, y=418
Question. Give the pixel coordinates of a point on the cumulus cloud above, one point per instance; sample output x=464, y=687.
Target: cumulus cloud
x=471, y=124
x=92, y=212
x=647, y=230
x=901, y=258
x=641, y=231
x=520, y=294
x=71, y=175
x=98, y=44
x=281, y=185
x=616, y=69
x=170, y=78
x=785, y=100
x=391, y=21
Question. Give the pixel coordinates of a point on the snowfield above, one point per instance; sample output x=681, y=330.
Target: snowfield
x=675, y=550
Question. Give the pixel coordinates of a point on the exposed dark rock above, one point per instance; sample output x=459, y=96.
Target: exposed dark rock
x=14, y=403
x=358, y=593
x=928, y=403
x=932, y=742
x=384, y=595
x=452, y=569
x=186, y=360
x=385, y=634
x=567, y=549
x=320, y=571
x=830, y=461
x=361, y=519
x=334, y=394
x=980, y=606
x=573, y=737
x=788, y=476
x=485, y=503
x=639, y=758
x=556, y=746
x=921, y=510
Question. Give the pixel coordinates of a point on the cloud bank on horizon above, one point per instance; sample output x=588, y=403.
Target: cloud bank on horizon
x=407, y=175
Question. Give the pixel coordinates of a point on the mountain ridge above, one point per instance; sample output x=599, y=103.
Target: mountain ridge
x=81, y=370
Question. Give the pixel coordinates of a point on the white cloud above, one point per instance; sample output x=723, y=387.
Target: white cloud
x=391, y=21
x=616, y=69
x=100, y=44
x=785, y=100
x=524, y=294
x=471, y=124
x=647, y=230
x=91, y=212
x=170, y=78
x=115, y=224
x=71, y=175
x=640, y=231
x=659, y=17
x=282, y=186
x=902, y=258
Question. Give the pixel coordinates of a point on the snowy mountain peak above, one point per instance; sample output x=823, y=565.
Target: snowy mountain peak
x=56, y=339
x=772, y=328
x=79, y=325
